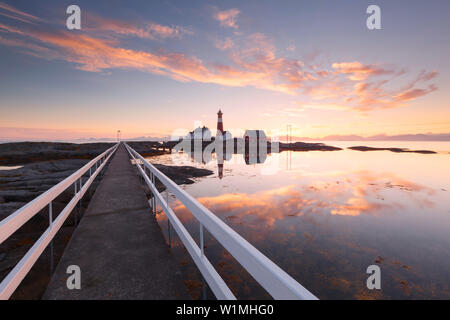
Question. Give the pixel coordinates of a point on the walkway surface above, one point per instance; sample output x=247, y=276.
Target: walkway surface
x=119, y=245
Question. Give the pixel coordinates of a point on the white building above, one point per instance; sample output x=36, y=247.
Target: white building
x=199, y=134
x=257, y=135
x=226, y=136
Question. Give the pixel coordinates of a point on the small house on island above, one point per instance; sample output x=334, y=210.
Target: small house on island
x=255, y=142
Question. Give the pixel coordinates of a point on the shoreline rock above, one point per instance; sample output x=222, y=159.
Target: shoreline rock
x=304, y=146
x=183, y=174
x=396, y=150
x=20, y=153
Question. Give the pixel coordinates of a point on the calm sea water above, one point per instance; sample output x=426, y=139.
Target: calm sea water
x=324, y=217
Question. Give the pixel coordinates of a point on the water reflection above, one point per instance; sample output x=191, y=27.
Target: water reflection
x=341, y=197
x=325, y=217
x=206, y=157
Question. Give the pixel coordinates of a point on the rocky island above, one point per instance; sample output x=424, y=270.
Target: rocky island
x=397, y=150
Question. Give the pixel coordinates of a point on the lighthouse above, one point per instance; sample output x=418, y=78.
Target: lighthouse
x=219, y=122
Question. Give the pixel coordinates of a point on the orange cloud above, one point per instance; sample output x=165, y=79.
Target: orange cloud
x=365, y=185
x=258, y=54
x=266, y=206
x=355, y=206
x=355, y=86
x=357, y=193
x=255, y=62
x=357, y=71
x=95, y=55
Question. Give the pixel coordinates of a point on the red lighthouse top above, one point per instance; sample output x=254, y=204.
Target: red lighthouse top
x=219, y=122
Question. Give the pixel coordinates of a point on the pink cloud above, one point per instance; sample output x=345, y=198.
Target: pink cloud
x=95, y=23
x=426, y=76
x=414, y=94
x=228, y=18
x=224, y=45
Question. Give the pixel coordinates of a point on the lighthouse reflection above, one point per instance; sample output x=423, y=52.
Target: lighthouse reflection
x=221, y=158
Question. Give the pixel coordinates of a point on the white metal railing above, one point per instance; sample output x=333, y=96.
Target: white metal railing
x=13, y=222
x=272, y=278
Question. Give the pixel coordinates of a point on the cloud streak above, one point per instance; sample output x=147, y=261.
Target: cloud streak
x=16, y=14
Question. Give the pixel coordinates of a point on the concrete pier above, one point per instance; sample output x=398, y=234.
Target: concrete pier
x=119, y=245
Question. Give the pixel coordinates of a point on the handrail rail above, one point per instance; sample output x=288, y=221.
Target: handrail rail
x=271, y=277
x=14, y=221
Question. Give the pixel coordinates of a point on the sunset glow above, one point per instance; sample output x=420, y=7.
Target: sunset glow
x=141, y=68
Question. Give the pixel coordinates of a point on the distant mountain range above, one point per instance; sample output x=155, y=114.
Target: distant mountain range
x=143, y=138
x=86, y=140
x=380, y=137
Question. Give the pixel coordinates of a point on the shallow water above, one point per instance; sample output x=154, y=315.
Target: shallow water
x=324, y=217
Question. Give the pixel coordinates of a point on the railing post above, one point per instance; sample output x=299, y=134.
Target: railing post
x=202, y=248
x=50, y=221
x=168, y=221
x=154, y=196
x=79, y=202
x=141, y=165
x=90, y=186
x=145, y=174
x=75, y=214
x=201, y=240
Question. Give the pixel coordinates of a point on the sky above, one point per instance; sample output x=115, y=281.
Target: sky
x=159, y=68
